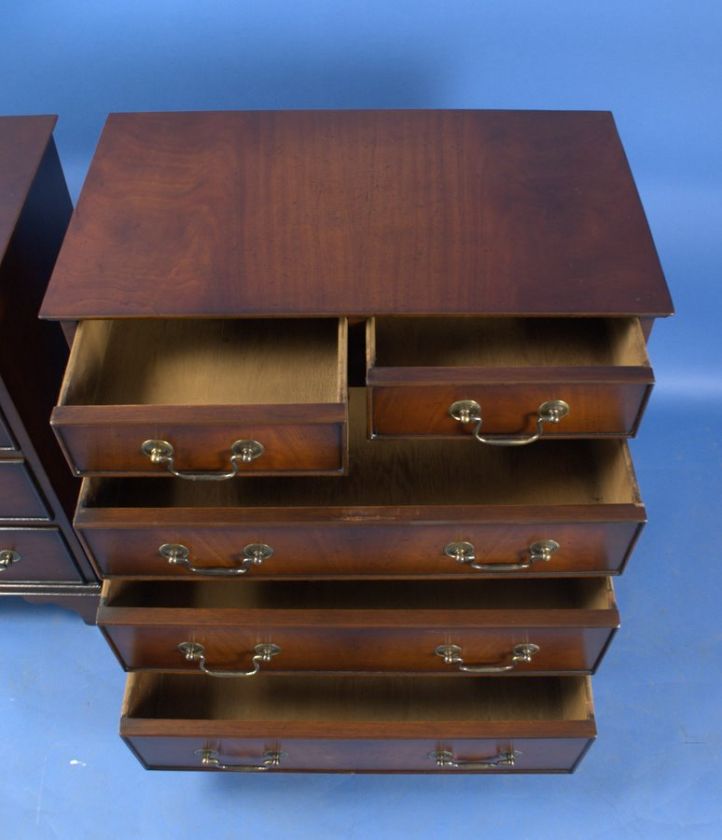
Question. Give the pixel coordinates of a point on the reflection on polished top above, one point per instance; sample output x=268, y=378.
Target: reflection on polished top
x=358, y=213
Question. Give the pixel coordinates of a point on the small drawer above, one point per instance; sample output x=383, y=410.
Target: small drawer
x=455, y=628
x=408, y=508
x=366, y=724
x=20, y=497
x=205, y=399
x=506, y=380
x=30, y=554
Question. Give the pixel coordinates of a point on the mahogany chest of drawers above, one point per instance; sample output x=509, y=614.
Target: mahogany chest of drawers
x=349, y=393
x=40, y=556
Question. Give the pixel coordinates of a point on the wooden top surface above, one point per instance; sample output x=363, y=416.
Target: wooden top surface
x=23, y=141
x=358, y=213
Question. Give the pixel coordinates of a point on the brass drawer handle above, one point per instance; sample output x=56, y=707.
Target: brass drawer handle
x=179, y=555
x=242, y=452
x=446, y=760
x=194, y=652
x=464, y=552
x=210, y=758
x=469, y=411
x=451, y=655
x=8, y=557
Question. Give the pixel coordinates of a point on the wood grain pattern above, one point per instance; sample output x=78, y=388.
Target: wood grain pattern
x=418, y=367
x=361, y=627
x=126, y=546
x=581, y=493
x=44, y=553
x=358, y=212
x=358, y=724
x=201, y=386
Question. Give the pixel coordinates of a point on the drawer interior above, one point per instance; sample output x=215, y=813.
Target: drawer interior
x=561, y=593
x=207, y=362
x=505, y=342
x=409, y=472
x=301, y=698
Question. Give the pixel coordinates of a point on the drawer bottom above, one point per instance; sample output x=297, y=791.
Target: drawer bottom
x=358, y=725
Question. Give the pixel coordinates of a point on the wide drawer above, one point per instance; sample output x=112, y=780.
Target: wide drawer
x=243, y=628
x=506, y=379
x=20, y=497
x=366, y=724
x=407, y=508
x=30, y=554
x=205, y=399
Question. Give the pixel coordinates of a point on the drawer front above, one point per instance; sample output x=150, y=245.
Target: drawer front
x=20, y=497
x=594, y=409
x=372, y=649
x=366, y=549
x=388, y=755
x=35, y=555
x=218, y=397
x=109, y=447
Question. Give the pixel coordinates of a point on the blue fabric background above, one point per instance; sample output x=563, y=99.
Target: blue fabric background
x=655, y=770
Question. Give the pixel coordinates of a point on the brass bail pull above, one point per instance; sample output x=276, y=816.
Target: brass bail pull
x=211, y=759
x=254, y=554
x=469, y=411
x=446, y=760
x=451, y=654
x=194, y=652
x=465, y=552
x=162, y=452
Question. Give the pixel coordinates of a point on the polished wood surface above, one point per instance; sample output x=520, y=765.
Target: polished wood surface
x=583, y=494
x=201, y=386
x=35, y=485
x=361, y=627
x=124, y=546
x=595, y=410
x=358, y=724
x=418, y=367
x=358, y=213
x=44, y=555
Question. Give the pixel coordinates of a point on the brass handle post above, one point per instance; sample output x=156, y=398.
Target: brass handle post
x=465, y=552
x=469, y=411
x=162, y=452
x=254, y=554
x=446, y=760
x=194, y=652
x=211, y=759
x=451, y=654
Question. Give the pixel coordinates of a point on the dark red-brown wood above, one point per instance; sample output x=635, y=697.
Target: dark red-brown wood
x=44, y=556
x=358, y=212
x=34, y=480
x=165, y=728
x=369, y=627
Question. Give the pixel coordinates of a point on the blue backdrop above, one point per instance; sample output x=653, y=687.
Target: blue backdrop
x=656, y=64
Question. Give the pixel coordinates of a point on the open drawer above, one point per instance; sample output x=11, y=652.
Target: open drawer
x=205, y=400
x=506, y=381
x=407, y=508
x=467, y=628
x=365, y=724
